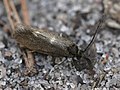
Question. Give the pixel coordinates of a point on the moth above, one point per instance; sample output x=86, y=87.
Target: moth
x=49, y=42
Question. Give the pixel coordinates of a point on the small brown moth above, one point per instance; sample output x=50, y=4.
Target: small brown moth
x=49, y=42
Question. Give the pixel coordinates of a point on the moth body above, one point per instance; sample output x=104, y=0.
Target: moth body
x=45, y=41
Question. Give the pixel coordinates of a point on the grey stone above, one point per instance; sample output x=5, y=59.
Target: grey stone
x=2, y=71
x=1, y=45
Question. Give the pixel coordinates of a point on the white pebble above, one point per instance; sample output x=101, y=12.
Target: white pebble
x=1, y=45
x=2, y=71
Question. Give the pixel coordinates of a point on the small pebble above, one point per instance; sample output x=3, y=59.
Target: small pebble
x=2, y=71
x=1, y=45
x=8, y=55
x=104, y=88
x=3, y=83
x=72, y=85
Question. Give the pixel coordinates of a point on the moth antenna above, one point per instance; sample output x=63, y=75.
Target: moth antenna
x=97, y=28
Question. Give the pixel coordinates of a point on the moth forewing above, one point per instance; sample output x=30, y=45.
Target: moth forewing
x=44, y=41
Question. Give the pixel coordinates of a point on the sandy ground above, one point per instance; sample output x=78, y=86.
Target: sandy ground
x=76, y=18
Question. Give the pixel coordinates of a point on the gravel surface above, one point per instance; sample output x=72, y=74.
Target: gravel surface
x=76, y=18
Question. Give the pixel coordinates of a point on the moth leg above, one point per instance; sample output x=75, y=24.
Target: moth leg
x=79, y=64
x=55, y=66
x=90, y=64
x=56, y=60
x=53, y=61
x=30, y=64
